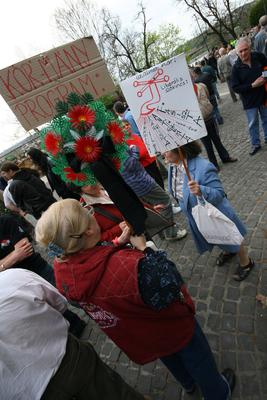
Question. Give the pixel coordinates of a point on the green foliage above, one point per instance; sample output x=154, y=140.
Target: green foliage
x=108, y=100
x=257, y=10
x=161, y=45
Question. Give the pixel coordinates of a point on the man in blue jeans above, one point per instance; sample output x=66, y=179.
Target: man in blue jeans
x=247, y=80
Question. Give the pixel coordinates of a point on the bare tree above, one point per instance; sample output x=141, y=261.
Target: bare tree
x=78, y=19
x=126, y=51
x=220, y=16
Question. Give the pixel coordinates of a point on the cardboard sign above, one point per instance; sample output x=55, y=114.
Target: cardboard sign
x=164, y=105
x=32, y=87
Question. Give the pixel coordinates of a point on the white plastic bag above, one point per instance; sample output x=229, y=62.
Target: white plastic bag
x=214, y=226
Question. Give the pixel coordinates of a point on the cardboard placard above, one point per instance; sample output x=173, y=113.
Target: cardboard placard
x=164, y=105
x=32, y=87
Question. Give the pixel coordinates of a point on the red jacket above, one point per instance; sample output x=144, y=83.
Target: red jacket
x=109, y=229
x=145, y=159
x=104, y=281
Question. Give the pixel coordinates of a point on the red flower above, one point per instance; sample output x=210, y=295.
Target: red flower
x=116, y=162
x=73, y=176
x=116, y=132
x=81, y=117
x=87, y=149
x=52, y=143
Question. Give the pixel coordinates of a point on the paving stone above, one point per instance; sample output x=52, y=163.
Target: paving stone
x=228, y=323
x=230, y=307
x=233, y=293
x=246, y=325
x=246, y=342
x=217, y=292
x=228, y=341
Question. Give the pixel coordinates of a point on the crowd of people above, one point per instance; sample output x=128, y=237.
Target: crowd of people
x=102, y=264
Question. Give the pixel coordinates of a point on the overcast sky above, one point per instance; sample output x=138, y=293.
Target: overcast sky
x=27, y=28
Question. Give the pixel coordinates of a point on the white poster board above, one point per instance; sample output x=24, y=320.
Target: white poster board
x=164, y=105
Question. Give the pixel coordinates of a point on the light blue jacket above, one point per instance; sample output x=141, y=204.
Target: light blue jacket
x=205, y=173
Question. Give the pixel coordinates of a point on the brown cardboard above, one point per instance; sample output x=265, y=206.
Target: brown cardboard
x=33, y=86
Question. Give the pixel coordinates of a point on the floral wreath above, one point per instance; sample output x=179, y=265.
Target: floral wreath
x=78, y=137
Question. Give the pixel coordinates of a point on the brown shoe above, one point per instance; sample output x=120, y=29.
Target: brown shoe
x=230, y=159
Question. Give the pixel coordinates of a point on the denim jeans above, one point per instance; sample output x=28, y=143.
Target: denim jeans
x=253, y=124
x=214, y=86
x=195, y=364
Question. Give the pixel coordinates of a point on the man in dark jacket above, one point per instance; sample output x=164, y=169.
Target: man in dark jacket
x=247, y=80
x=28, y=191
x=203, y=77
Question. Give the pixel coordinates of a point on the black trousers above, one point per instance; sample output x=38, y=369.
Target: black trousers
x=211, y=139
x=83, y=376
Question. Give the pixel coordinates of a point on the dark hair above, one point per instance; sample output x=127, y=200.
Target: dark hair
x=202, y=62
x=8, y=165
x=190, y=150
x=197, y=70
x=39, y=158
x=119, y=107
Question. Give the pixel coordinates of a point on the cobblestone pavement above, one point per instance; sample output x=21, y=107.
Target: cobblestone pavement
x=235, y=324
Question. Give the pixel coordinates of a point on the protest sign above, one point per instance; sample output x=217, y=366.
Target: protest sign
x=33, y=87
x=164, y=105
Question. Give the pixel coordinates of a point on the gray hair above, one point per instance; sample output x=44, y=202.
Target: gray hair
x=263, y=20
x=243, y=39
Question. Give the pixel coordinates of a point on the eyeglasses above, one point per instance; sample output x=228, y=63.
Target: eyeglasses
x=90, y=211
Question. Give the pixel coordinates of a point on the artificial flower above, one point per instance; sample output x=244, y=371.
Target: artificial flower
x=81, y=117
x=116, y=162
x=116, y=132
x=73, y=176
x=52, y=143
x=87, y=149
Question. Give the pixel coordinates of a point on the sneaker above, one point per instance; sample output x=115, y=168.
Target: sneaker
x=254, y=150
x=181, y=233
x=176, y=210
x=191, y=390
x=229, y=376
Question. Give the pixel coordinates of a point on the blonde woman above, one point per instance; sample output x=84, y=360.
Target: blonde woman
x=135, y=295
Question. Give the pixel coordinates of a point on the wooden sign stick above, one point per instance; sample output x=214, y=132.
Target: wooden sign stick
x=184, y=164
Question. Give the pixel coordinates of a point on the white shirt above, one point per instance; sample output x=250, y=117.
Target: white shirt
x=178, y=180
x=33, y=334
x=7, y=197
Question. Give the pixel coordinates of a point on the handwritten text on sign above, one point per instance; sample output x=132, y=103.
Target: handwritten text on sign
x=164, y=105
x=32, y=87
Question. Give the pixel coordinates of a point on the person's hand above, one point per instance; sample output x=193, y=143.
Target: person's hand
x=159, y=207
x=122, y=225
x=139, y=242
x=258, y=82
x=125, y=236
x=194, y=188
x=22, y=213
x=23, y=249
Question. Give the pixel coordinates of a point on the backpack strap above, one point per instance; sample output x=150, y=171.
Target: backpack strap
x=107, y=214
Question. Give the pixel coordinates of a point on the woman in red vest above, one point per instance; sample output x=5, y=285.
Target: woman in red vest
x=135, y=295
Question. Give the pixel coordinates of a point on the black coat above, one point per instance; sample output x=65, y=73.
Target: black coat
x=30, y=193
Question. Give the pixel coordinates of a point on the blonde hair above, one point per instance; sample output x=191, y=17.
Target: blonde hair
x=63, y=224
